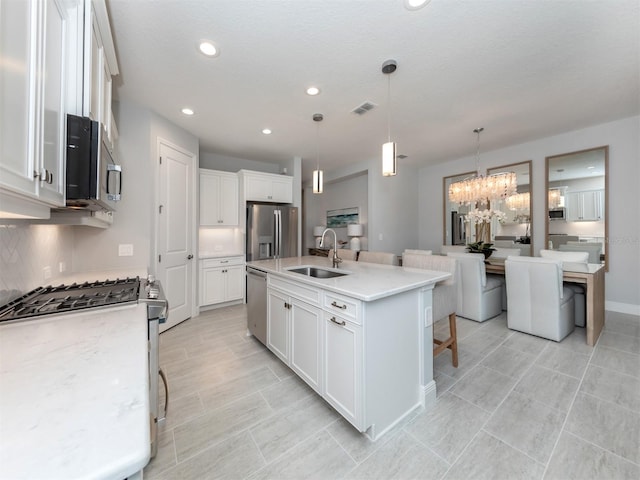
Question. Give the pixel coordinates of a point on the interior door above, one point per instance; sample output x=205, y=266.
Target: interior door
x=175, y=261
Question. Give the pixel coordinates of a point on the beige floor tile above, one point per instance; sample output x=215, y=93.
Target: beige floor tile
x=576, y=342
x=526, y=425
x=488, y=458
x=620, y=341
x=443, y=382
x=480, y=343
x=507, y=361
x=526, y=343
x=620, y=389
x=548, y=387
x=607, y=425
x=466, y=361
x=280, y=432
x=213, y=427
x=286, y=393
x=164, y=459
x=575, y=459
x=616, y=360
x=563, y=360
x=484, y=387
x=182, y=410
x=318, y=457
x=237, y=457
x=237, y=387
x=402, y=457
x=622, y=323
x=449, y=426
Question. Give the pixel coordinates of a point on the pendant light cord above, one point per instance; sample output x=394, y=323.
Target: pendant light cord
x=388, y=107
x=478, y=131
x=318, y=146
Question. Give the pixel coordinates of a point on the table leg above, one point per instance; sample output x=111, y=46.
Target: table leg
x=595, y=306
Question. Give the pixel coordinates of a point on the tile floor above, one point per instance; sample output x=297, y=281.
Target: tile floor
x=517, y=407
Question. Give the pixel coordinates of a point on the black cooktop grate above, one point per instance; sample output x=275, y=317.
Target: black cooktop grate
x=68, y=298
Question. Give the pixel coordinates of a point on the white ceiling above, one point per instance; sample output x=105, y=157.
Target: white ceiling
x=522, y=69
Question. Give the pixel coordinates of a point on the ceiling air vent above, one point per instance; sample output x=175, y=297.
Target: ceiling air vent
x=364, y=108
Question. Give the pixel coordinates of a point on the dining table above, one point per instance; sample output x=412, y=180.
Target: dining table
x=590, y=275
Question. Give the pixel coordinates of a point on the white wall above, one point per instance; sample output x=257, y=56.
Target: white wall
x=347, y=193
x=623, y=138
x=134, y=219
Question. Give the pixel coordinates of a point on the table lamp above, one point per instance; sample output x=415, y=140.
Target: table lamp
x=355, y=230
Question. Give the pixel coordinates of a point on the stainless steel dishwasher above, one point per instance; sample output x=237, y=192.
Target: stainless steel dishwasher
x=257, y=303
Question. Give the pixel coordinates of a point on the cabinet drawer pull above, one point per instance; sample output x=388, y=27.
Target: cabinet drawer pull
x=342, y=307
x=341, y=322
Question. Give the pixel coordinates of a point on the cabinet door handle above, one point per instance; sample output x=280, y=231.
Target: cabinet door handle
x=189, y=257
x=342, y=307
x=341, y=322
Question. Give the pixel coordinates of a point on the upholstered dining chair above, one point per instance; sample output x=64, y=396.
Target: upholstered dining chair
x=419, y=252
x=479, y=295
x=538, y=302
x=593, y=249
x=503, y=243
x=378, y=257
x=580, y=313
x=444, y=296
x=505, y=252
x=445, y=249
x=345, y=254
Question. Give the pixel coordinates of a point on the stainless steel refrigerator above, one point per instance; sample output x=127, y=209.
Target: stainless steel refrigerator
x=272, y=231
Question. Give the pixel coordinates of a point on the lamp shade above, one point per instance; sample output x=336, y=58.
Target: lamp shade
x=355, y=230
x=317, y=231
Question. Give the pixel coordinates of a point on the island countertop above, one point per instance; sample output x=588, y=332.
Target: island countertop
x=365, y=281
x=74, y=399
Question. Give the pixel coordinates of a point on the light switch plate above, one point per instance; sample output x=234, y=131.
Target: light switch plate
x=125, y=250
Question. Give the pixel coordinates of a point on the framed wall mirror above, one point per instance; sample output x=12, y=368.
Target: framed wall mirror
x=454, y=229
x=577, y=203
x=516, y=230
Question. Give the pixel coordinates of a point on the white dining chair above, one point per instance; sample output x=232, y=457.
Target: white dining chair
x=345, y=254
x=418, y=252
x=539, y=304
x=593, y=249
x=385, y=258
x=445, y=249
x=479, y=295
x=579, y=299
x=444, y=296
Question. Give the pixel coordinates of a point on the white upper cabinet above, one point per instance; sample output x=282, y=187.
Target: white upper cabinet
x=33, y=72
x=218, y=198
x=586, y=206
x=266, y=187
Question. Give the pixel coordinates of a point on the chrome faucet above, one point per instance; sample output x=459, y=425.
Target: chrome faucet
x=336, y=260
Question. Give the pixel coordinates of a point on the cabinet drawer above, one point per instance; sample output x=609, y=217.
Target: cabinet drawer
x=221, y=262
x=343, y=306
x=308, y=294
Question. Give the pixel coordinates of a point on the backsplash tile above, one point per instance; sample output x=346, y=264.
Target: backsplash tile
x=25, y=250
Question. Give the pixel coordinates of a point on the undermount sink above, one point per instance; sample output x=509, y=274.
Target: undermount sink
x=318, y=272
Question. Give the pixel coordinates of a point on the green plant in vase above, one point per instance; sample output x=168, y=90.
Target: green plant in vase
x=481, y=247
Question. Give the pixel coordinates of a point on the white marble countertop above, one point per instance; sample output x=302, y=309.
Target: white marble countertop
x=205, y=255
x=366, y=281
x=74, y=395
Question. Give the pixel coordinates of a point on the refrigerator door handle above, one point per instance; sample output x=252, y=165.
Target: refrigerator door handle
x=276, y=234
x=279, y=232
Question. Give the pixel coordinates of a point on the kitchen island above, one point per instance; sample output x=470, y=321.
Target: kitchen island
x=362, y=340
x=74, y=395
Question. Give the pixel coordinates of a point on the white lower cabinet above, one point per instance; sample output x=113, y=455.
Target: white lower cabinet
x=221, y=280
x=343, y=366
x=294, y=332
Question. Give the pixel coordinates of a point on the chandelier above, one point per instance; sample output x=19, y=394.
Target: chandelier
x=519, y=201
x=555, y=198
x=481, y=189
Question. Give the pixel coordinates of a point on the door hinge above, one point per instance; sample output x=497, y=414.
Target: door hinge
x=160, y=158
x=159, y=258
x=160, y=209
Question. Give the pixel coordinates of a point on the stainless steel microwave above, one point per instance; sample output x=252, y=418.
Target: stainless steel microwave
x=559, y=213
x=93, y=180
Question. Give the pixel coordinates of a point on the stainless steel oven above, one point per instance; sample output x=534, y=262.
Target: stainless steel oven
x=104, y=294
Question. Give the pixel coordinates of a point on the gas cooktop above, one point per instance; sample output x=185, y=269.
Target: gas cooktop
x=68, y=298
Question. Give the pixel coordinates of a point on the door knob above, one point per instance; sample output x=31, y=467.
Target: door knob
x=189, y=257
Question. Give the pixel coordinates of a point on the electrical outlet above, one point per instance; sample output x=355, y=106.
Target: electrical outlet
x=125, y=250
x=46, y=272
x=62, y=267
x=428, y=317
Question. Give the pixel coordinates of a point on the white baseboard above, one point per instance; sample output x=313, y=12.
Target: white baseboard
x=629, y=308
x=429, y=393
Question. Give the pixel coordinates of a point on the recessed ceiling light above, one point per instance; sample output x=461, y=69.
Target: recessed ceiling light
x=313, y=91
x=415, y=4
x=187, y=111
x=208, y=48
x=266, y=131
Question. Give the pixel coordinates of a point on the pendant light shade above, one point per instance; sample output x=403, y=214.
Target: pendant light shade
x=389, y=159
x=317, y=173
x=389, y=148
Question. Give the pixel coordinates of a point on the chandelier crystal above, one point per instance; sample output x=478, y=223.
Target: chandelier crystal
x=519, y=201
x=480, y=189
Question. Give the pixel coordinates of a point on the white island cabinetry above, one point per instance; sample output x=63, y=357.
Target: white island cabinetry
x=355, y=338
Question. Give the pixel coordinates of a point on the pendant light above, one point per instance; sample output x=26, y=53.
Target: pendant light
x=389, y=148
x=317, y=173
x=481, y=190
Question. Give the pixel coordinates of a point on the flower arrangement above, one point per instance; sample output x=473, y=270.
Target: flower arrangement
x=482, y=220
